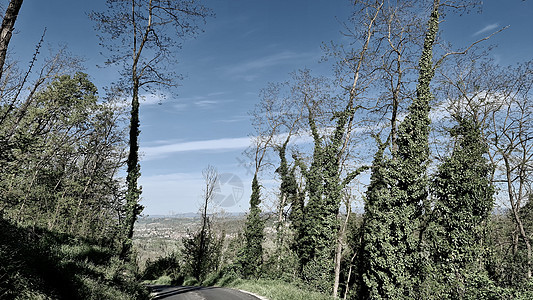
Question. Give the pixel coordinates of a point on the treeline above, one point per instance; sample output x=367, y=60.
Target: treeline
x=62, y=152
x=68, y=167
x=446, y=142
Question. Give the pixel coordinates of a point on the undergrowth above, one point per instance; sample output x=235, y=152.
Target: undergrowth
x=38, y=264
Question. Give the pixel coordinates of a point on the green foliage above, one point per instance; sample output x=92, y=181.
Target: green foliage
x=64, y=148
x=168, y=266
x=317, y=274
x=251, y=256
x=277, y=290
x=463, y=202
x=190, y=281
x=379, y=244
x=316, y=223
x=397, y=191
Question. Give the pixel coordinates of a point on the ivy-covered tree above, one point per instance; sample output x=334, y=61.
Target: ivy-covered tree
x=463, y=202
x=324, y=183
x=142, y=36
x=399, y=187
x=251, y=256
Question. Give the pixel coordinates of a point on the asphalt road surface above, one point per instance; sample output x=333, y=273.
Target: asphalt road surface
x=198, y=293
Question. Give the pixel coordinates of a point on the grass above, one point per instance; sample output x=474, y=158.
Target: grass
x=276, y=290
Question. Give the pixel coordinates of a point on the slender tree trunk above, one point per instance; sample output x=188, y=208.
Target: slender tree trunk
x=6, y=31
x=515, y=207
x=133, y=209
x=338, y=258
x=347, y=289
x=338, y=250
x=133, y=173
x=280, y=230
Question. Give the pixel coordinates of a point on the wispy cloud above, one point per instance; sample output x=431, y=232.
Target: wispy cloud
x=263, y=62
x=247, y=69
x=202, y=101
x=234, y=119
x=154, y=152
x=487, y=28
x=162, y=150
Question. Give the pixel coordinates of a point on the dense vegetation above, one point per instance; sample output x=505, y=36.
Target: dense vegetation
x=449, y=133
x=66, y=214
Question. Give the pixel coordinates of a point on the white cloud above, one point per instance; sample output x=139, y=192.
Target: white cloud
x=206, y=103
x=234, y=119
x=487, y=28
x=162, y=150
x=206, y=145
x=246, y=70
x=201, y=101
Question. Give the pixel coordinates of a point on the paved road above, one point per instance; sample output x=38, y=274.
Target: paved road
x=198, y=293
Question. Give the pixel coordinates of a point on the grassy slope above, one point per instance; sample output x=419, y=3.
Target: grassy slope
x=276, y=290
x=39, y=264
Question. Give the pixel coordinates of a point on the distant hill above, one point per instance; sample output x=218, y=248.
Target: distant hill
x=191, y=215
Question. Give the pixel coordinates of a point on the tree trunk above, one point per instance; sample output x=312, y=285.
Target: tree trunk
x=133, y=173
x=338, y=251
x=6, y=31
x=515, y=207
x=338, y=257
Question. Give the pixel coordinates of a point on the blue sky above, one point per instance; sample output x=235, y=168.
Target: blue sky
x=248, y=44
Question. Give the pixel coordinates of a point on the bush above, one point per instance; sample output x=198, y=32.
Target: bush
x=190, y=281
x=163, y=280
x=163, y=266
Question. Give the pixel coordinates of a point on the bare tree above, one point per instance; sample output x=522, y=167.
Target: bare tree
x=512, y=142
x=501, y=99
x=202, y=248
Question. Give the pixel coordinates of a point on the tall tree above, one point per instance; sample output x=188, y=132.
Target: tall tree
x=251, y=258
x=144, y=35
x=326, y=176
x=464, y=201
x=511, y=140
x=502, y=104
x=398, y=189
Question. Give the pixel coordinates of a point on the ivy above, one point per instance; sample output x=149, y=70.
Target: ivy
x=251, y=256
x=464, y=200
x=399, y=187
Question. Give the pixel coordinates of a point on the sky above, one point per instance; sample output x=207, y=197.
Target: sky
x=248, y=44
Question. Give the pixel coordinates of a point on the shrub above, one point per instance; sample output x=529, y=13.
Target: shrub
x=162, y=266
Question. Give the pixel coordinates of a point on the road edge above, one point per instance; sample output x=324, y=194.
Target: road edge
x=252, y=294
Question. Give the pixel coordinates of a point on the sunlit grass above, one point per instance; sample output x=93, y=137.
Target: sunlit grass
x=276, y=290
